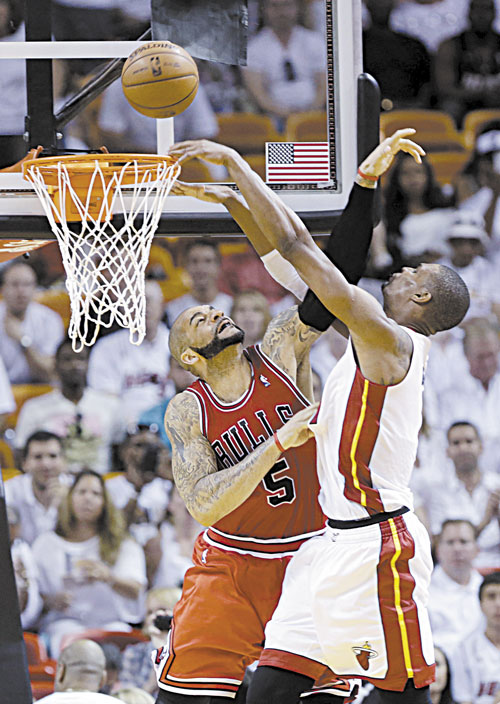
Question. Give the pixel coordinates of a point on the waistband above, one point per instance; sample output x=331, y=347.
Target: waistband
x=369, y=520
x=266, y=548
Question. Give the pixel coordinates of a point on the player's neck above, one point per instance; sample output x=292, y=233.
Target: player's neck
x=229, y=375
x=492, y=633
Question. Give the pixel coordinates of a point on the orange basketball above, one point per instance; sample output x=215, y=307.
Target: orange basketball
x=160, y=79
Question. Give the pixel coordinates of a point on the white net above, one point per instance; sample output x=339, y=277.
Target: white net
x=105, y=262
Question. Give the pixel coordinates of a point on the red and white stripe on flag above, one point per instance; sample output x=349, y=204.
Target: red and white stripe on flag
x=9, y=249
x=297, y=162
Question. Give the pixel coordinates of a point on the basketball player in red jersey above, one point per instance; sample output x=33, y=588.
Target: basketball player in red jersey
x=354, y=598
x=244, y=468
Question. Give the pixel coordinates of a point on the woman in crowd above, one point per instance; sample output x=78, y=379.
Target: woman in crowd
x=416, y=213
x=250, y=311
x=441, y=687
x=92, y=575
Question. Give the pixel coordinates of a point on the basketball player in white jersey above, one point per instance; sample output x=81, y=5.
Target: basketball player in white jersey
x=354, y=598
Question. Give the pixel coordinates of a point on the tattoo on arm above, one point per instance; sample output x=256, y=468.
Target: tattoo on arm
x=210, y=493
x=287, y=340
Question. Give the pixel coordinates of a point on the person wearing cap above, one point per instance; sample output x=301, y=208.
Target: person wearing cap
x=478, y=187
x=467, y=242
x=80, y=673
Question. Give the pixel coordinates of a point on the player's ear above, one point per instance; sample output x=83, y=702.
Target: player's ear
x=421, y=297
x=189, y=357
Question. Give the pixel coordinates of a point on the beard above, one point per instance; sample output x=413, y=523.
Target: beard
x=218, y=344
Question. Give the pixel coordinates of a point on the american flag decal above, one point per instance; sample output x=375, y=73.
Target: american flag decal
x=297, y=162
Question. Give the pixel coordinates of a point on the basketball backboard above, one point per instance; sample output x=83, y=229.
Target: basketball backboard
x=334, y=129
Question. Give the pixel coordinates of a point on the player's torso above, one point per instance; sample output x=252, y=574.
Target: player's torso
x=367, y=438
x=283, y=509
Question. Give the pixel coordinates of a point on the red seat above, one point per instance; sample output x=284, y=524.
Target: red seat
x=119, y=638
x=44, y=672
x=36, y=652
x=41, y=689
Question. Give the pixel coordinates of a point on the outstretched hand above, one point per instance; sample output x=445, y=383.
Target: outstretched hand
x=201, y=149
x=382, y=156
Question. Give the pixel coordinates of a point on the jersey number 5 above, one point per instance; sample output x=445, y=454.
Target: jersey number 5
x=282, y=489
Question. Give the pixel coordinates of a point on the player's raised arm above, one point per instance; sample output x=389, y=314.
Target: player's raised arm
x=210, y=493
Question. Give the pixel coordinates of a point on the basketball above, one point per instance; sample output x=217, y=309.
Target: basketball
x=160, y=79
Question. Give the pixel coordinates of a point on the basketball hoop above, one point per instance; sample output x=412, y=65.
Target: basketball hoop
x=105, y=262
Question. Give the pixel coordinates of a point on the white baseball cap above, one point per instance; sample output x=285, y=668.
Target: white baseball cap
x=468, y=225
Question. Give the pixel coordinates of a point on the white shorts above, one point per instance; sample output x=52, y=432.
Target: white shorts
x=355, y=600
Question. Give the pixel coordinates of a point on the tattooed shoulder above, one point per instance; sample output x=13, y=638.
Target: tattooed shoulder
x=287, y=339
x=181, y=418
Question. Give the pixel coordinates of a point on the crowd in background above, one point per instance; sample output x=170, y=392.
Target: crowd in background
x=84, y=452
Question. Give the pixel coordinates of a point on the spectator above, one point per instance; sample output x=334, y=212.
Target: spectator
x=416, y=213
x=202, y=262
x=467, y=67
x=137, y=668
x=153, y=417
x=399, y=63
x=31, y=331
x=86, y=419
x=468, y=241
x=454, y=585
x=430, y=21
x=136, y=374
x=475, y=664
x=250, y=311
x=470, y=493
x=25, y=573
x=113, y=656
x=96, y=574
x=134, y=695
x=440, y=689
x=80, y=670
x=286, y=67
x=7, y=402
x=37, y=493
x=477, y=395
x=143, y=489
x=123, y=129
x=478, y=187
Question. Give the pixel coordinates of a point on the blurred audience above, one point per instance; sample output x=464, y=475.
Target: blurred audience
x=202, y=261
x=440, y=689
x=467, y=66
x=37, y=493
x=454, y=585
x=286, y=63
x=7, y=402
x=96, y=574
x=475, y=663
x=416, y=213
x=476, y=394
x=31, y=331
x=86, y=419
x=137, y=667
x=250, y=311
x=400, y=64
x=81, y=670
x=135, y=374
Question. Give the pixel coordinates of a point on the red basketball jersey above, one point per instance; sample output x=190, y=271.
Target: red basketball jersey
x=283, y=510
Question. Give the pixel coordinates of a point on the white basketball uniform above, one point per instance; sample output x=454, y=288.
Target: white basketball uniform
x=475, y=670
x=354, y=598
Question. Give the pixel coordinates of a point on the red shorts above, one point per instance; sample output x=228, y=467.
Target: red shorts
x=218, y=624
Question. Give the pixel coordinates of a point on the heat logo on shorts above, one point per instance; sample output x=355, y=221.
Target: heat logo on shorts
x=364, y=653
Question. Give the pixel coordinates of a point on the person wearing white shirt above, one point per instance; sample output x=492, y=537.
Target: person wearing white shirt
x=454, y=585
x=31, y=332
x=87, y=419
x=92, y=575
x=467, y=493
x=25, y=573
x=36, y=494
x=136, y=374
x=80, y=673
x=476, y=394
x=202, y=262
x=475, y=663
x=7, y=402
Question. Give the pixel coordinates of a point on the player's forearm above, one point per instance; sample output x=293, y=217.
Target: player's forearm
x=278, y=223
x=242, y=214
x=216, y=495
